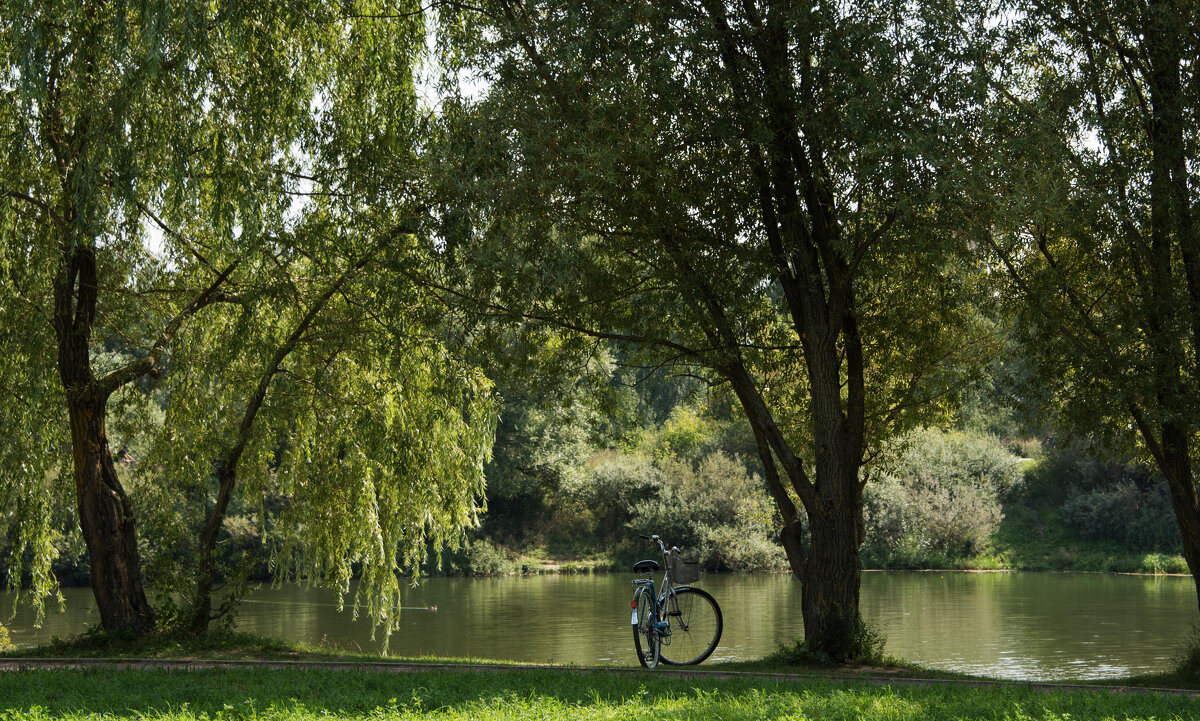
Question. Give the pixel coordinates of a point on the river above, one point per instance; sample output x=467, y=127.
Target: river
x=1045, y=626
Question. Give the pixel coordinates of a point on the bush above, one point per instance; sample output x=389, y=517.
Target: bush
x=1140, y=518
x=715, y=508
x=941, y=498
x=741, y=548
x=1073, y=466
x=601, y=502
x=910, y=552
x=1154, y=527
x=480, y=557
x=1162, y=563
x=687, y=435
x=1099, y=514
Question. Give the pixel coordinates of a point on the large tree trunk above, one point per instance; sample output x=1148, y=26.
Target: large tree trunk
x=828, y=566
x=831, y=577
x=831, y=580
x=105, y=514
x=107, y=521
x=1177, y=467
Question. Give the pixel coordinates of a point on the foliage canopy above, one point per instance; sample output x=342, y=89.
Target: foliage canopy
x=228, y=198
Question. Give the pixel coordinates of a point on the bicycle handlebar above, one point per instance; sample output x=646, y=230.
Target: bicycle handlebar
x=661, y=546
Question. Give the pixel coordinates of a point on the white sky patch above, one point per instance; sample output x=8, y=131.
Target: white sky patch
x=429, y=72
x=152, y=240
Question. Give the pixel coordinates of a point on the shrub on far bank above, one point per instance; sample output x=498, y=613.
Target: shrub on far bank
x=1141, y=518
x=1071, y=465
x=478, y=557
x=1163, y=563
x=599, y=503
x=940, y=500
x=741, y=548
x=949, y=500
x=716, y=508
x=1088, y=495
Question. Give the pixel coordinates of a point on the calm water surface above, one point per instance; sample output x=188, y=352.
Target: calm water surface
x=1011, y=625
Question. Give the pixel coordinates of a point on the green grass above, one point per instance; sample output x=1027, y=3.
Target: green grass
x=319, y=695
x=215, y=645
x=889, y=667
x=242, y=646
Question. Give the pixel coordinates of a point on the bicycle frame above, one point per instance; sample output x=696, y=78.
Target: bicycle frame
x=662, y=596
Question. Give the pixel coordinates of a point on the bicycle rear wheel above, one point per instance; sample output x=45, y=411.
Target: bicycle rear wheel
x=696, y=625
x=645, y=638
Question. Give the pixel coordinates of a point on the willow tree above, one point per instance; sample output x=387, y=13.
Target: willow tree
x=334, y=412
x=104, y=112
x=206, y=122
x=1098, y=129
x=767, y=192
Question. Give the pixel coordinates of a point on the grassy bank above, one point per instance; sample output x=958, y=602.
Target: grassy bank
x=1010, y=550
x=304, y=695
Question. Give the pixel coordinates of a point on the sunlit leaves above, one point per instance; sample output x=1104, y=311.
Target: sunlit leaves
x=275, y=144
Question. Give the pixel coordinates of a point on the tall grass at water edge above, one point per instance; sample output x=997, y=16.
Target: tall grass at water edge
x=309, y=695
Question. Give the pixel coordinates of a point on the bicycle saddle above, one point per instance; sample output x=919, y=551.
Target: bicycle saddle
x=645, y=566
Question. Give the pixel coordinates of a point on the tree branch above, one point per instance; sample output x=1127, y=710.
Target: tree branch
x=40, y=205
x=175, y=234
x=507, y=312
x=147, y=364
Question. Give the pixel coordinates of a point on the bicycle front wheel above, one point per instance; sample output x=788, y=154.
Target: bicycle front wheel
x=645, y=637
x=695, y=626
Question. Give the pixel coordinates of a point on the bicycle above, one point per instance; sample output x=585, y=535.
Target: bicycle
x=678, y=625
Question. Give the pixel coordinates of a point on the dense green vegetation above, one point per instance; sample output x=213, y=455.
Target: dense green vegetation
x=211, y=226
x=963, y=498
x=737, y=273
x=993, y=491
x=300, y=695
x=1098, y=238
x=570, y=488
x=764, y=198
x=940, y=506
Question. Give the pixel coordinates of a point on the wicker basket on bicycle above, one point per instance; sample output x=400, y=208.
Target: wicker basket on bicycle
x=685, y=567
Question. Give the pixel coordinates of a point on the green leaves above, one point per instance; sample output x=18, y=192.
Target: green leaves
x=1099, y=256
x=767, y=195
x=619, y=166
x=247, y=177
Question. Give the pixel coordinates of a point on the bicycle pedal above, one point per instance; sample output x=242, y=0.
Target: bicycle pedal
x=675, y=613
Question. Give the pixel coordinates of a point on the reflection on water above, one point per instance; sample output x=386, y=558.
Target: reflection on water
x=1031, y=625
x=1011, y=625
